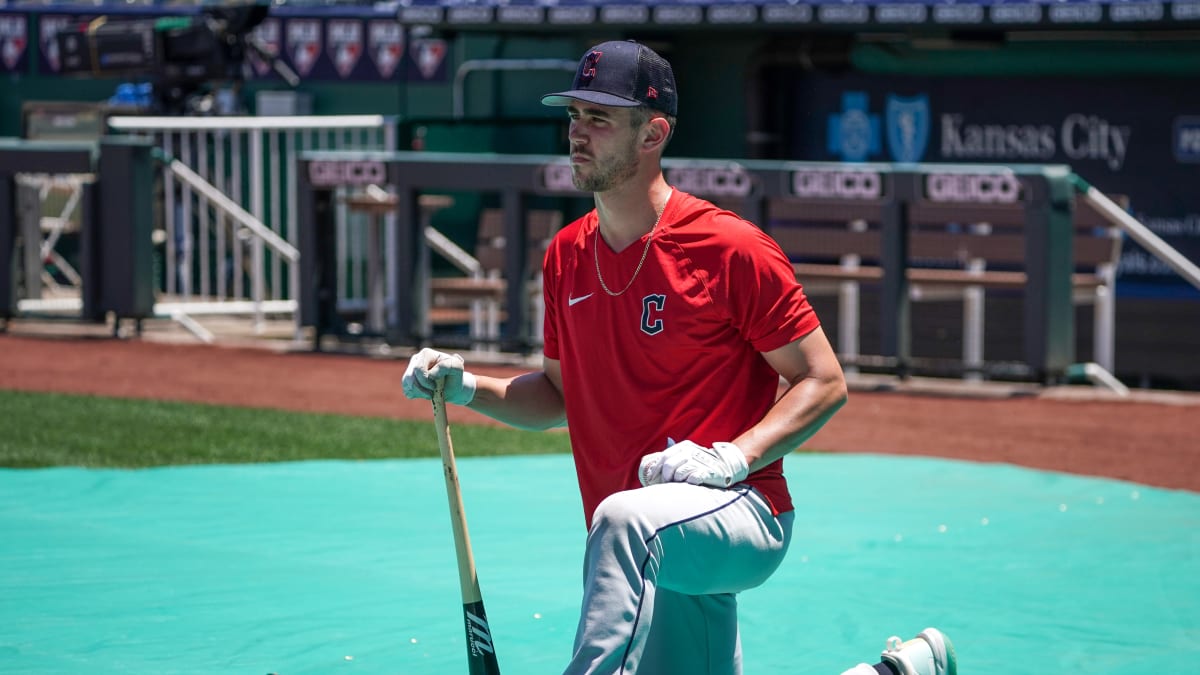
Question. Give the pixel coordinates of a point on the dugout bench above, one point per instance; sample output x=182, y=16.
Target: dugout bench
x=912, y=231
x=473, y=300
x=477, y=299
x=958, y=251
x=406, y=177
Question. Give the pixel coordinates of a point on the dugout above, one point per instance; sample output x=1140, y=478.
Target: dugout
x=895, y=207
x=115, y=244
x=517, y=181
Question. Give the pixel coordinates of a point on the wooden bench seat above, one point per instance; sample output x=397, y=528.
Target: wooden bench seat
x=945, y=259
x=478, y=301
x=934, y=277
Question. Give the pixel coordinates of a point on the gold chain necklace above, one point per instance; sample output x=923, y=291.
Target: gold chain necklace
x=645, y=252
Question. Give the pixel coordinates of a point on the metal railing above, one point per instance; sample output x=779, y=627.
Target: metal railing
x=1139, y=232
x=229, y=226
x=496, y=65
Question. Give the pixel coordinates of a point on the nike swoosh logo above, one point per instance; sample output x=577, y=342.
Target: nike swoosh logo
x=571, y=302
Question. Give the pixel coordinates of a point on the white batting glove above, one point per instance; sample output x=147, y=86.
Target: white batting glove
x=428, y=366
x=721, y=465
x=650, y=470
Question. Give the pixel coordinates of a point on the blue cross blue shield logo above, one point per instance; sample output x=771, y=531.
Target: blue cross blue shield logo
x=907, y=127
x=853, y=133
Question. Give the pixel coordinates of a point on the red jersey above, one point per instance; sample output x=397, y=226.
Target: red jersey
x=677, y=355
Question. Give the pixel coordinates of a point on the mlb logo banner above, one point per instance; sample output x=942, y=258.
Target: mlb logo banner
x=268, y=36
x=303, y=44
x=49, y=60
x=428, y=60
x=385, y=46
x=14, y=43
x=344, y=45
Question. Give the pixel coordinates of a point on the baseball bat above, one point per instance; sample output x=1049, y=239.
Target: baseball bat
x=481, y=655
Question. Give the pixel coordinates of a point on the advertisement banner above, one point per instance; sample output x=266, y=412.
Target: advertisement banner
x=1136, y=138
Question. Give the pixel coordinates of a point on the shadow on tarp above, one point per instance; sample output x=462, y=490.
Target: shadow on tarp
x=330, y=567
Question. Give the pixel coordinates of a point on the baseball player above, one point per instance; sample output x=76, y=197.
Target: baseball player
x=669, y=325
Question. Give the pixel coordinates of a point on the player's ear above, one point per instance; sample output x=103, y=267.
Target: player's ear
x=656, y=132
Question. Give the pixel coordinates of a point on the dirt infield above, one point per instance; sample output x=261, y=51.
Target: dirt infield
x=1152, y=439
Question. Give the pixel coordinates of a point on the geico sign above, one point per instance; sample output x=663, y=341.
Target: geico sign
x=346, y=172
x=557, y=178
x=837, y=184
x=719, y=182
x=983, y=188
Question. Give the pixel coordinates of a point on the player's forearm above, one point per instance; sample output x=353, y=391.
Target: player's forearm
x=529, y=401
x=802, y=410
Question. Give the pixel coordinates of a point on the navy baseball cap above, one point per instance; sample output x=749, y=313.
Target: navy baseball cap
x=624, y=74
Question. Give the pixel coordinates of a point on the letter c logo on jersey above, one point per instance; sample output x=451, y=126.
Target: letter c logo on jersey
x=652, y=304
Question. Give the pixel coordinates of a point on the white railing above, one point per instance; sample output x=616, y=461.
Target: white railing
x=228, y=205
x=1140, y=233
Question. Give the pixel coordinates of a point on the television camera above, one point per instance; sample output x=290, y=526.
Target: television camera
x=184, y=58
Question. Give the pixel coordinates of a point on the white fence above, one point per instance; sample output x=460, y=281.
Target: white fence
x=221, y=253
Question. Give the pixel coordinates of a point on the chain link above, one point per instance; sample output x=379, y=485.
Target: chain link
x=645, y=252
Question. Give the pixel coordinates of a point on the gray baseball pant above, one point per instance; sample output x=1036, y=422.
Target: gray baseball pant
x=663, y=565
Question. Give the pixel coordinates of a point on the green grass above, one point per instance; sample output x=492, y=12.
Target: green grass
x=41, y=430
